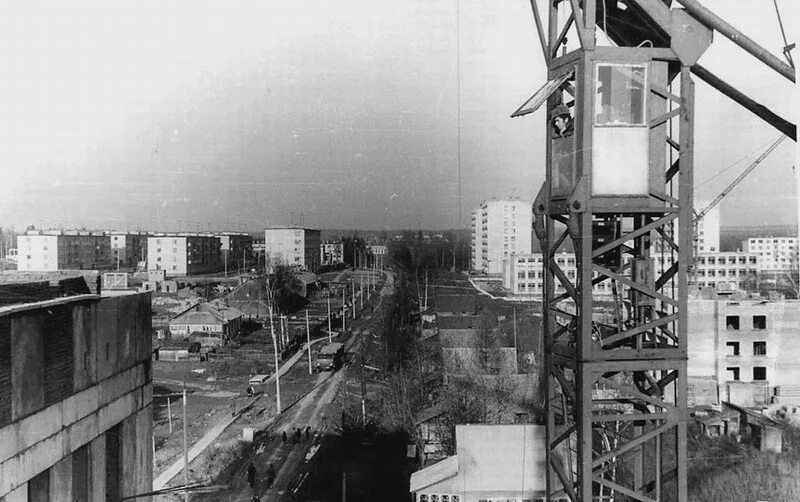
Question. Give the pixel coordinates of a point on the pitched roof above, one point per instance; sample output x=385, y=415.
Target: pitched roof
x=435, y=473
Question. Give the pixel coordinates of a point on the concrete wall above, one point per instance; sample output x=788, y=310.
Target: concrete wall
x=108, y=383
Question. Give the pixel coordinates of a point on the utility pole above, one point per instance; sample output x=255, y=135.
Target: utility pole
x=185, y=449
x=169, y=413
x=344, y=309
x=281, y=318
x=275, y=351
x=308, y=340
x=330, y=331
x=515, y=329
x=361, y=290
x=354, y=298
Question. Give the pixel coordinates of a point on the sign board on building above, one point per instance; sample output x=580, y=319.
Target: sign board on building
x=115, y=280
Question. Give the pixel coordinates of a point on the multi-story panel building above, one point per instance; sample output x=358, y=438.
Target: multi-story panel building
x=184, y=254
x=128, y=249
x=745, y=348
x=51, y=250
x=774, y=253
x=293, y=246
x=331, y=252
x=500, y=228
x=708, y=228
x=523, y=275
x=236, y=248
x=76, y=396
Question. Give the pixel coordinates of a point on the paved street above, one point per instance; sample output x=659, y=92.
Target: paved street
x=288, y=460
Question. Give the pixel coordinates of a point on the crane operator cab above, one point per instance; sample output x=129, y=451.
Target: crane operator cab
x=607, y=116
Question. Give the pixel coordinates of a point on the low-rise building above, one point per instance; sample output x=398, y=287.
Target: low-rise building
x=492, y=462
x=76, y=398
x=184, y=254
x=211, y=324
x=379, y=254
x=294, y=246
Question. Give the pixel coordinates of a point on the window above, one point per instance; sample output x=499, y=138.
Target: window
x=759, y=348
x=759, y=322
x=520, y=275
x=712, y=260
x=620, y=95
x=722, y=260
x=39, y=487
x=732, y=348
x=423, y=497
x=732, y=322
x=733, y=373
x=759, y=373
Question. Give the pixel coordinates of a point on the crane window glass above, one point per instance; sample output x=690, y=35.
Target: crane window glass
x=620, y=99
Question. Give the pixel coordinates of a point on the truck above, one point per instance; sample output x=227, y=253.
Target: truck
x=329, y=357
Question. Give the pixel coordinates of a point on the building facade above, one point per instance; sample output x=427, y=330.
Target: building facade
x=76, y=396
x=745, y=349
x=128, y=249
x=774, y=253
x=236, y=249
x=331, y=252
x=499, y=229
x=294, y=246
x=184, y=254
x=708, y=228
x=46, y=251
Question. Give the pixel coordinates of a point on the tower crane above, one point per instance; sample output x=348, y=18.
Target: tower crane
x=699, y=216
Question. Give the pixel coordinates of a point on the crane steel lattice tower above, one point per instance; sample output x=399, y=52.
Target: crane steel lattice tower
x=618, y=188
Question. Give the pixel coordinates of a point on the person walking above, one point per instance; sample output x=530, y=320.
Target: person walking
x=308, y=433
x=271, y=475
x=283, y=436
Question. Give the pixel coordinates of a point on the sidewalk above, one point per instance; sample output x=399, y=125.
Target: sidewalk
x=196, y=449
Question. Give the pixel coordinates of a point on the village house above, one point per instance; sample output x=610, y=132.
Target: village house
x=211, y=324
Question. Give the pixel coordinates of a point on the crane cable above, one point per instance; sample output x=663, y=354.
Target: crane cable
x=787, y=48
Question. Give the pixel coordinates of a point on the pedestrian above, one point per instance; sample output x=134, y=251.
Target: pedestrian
x=283, y=436
x=270, y=475
x=308, y=433
x=251, y=475
x=297, y=435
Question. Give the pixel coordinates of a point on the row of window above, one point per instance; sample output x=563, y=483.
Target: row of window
x=759, y=373
x=759, y=348
x=437, y=497
x=732, y=322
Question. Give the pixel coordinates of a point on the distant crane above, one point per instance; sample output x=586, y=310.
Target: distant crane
x=699, y=216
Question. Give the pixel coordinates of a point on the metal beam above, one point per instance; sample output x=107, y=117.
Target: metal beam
x=759, y=110
x=540, y=30
x=715, y=22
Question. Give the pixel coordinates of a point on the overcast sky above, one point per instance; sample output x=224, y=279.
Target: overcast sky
x=230, y=114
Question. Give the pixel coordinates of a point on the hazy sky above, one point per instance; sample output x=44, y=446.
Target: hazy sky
x=232, y=114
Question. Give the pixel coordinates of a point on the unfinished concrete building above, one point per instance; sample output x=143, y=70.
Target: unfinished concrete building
x=76, y=399
x=743, y=351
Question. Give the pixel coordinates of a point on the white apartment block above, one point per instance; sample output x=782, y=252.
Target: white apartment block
x=523, y=274
x=184, y=254
x=708, y=229
x=37, y=253
x=500, y=228
x=774, y=253
x=293, y=246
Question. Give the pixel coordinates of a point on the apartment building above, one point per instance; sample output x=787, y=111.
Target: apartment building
x=184, y=254
x=236, y=249
x=50, y=250
x=128, y=248
x=774, y=253
x=76, y=399
x=746, y=349
x=331, y=252
x=523, y=274
x=499, y=228
x=708, y=228
x=294, y=246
